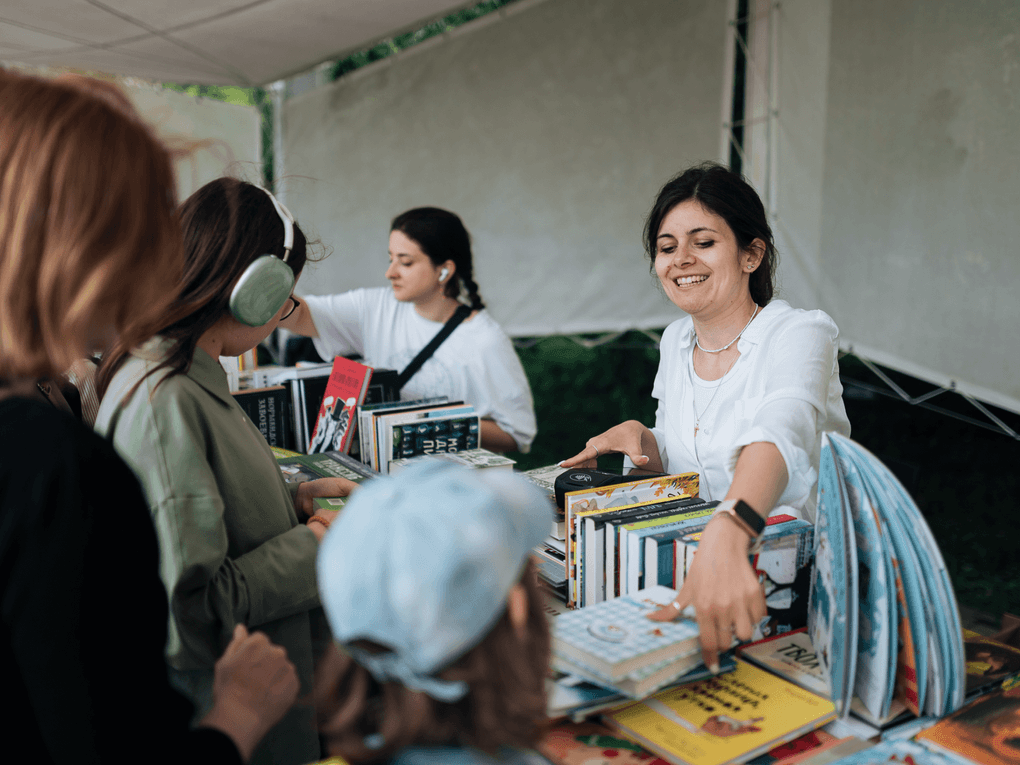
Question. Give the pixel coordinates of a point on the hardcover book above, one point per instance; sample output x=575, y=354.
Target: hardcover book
x=725, y=719
x=590, y=743
x=270, y=410
x=616, y=638
x=792, y=656
x=345, y=391
x=987, y=730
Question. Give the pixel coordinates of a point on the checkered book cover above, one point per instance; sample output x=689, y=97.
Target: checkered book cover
x=618, y=632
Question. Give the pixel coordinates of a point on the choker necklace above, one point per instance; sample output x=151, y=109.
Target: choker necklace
x=697, y=342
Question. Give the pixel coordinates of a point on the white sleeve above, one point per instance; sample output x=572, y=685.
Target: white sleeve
x=511, y=404
x=659, y=429
x=801, y=363
x=339, y=320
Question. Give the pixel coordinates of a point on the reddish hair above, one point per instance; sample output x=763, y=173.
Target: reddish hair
x=89, y=238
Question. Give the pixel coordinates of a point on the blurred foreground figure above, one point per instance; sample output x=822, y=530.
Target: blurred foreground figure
x=89, y=250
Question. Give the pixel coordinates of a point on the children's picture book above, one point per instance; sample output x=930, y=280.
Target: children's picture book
x=986, y=731
x=942, y=687
x=792, y=656
x=832, y=616
x=591, y=743
x=877, y=622
x=725, y=719
x=336, y=423
x=798, y=749
x=615, y=638
x=894, y=753
x=990, y=663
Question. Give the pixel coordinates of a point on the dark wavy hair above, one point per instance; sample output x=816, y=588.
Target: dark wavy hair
x=442, y=236
x=227, y=224
x=725, y=193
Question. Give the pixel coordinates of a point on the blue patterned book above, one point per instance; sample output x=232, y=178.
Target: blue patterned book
x=616, y=638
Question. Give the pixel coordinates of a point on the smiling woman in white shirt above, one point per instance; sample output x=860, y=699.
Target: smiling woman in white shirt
x=430, y=274
x=746, y=386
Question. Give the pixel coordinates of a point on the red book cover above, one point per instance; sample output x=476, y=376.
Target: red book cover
x=345, y=391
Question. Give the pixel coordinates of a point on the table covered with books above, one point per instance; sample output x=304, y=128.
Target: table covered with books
x=874, y=666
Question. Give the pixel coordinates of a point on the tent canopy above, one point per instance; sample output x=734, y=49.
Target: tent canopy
x=211, y=42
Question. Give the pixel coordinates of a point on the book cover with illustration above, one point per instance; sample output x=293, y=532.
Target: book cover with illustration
x=591, y=743
x=877, y=623
x=618, y=496
x=832, y=615
x=943, y=683
x=724, y=719
x=336, y=423
x=990, y=663
x=898, y=753
x=297, y=468
x=791, y=655
x=616, y=637
x=987, y=730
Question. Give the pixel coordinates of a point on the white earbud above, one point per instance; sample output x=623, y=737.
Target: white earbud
x=443, y=274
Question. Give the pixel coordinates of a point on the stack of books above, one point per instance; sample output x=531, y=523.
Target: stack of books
x=615, y=645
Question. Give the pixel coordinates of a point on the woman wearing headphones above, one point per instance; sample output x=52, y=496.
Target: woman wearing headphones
x=233, y=549
x=430, y=273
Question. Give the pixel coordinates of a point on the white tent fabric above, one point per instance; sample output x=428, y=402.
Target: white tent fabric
x=220, y=42
x=898, y=177
x=548, y=132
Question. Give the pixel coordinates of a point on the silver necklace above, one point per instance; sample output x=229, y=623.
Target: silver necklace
x=697, y=416
x=697, y=342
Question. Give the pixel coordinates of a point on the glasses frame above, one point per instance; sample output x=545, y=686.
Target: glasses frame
x=292, y=308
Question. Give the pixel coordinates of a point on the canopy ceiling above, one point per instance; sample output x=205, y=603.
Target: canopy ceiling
x=215, y=42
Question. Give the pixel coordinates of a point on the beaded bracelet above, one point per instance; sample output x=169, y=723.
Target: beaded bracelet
x=321, y=519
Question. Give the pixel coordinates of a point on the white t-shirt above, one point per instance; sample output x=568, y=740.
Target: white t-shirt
x=476, y=363
x=784, y=389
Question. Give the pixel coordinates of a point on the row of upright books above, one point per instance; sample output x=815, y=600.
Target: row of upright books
x=343, y=407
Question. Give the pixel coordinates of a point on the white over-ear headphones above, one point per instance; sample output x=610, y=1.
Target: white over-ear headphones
x=266, y=284
x=444, y=273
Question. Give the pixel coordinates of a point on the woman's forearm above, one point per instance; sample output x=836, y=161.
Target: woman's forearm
x=760, y=477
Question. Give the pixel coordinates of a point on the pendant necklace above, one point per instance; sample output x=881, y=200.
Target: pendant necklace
x=694, y=391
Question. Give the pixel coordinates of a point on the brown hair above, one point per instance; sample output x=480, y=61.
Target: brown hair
x=88, y=232
x=504, y=707
x=227, y=224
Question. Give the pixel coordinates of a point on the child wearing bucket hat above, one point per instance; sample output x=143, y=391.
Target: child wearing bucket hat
x=442, y=646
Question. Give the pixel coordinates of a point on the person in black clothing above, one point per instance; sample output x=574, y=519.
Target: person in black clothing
x=89, y=244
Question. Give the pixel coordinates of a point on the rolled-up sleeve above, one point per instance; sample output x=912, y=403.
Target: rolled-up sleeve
x=801, y=362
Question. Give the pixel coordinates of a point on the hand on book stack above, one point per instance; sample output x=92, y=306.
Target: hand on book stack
x=727, y=597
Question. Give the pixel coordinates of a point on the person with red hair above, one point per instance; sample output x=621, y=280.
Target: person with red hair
x=90, y=251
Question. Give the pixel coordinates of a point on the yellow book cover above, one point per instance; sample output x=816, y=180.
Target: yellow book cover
x=732, y=717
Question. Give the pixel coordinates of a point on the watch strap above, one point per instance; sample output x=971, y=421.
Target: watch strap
x=739, y=509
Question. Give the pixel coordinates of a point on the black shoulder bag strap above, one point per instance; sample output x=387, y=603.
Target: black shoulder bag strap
x=425, y=354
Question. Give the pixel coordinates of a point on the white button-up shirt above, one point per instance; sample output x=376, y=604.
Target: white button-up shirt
x=784, y=389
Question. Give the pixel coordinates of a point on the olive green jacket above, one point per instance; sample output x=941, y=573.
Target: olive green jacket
x=231, y=548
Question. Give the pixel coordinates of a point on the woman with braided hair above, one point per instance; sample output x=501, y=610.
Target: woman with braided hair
x=430, y=273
